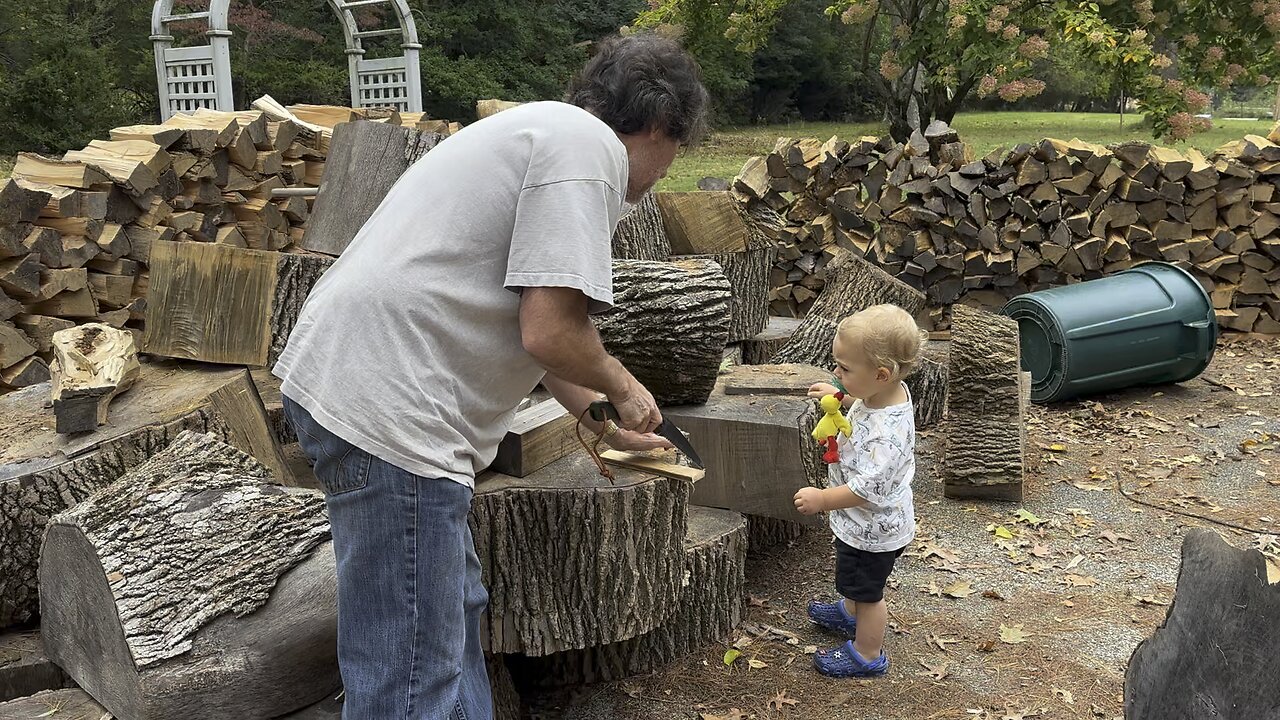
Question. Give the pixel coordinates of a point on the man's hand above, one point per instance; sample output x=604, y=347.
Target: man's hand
x=818, y=390
x=810, y=501
x=637, y=410
x=631, y=440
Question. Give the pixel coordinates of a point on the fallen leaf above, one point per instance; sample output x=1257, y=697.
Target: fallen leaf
x=959, y=590
x=1040, y=551
x=743, y=642
x=992, y=595
x=941, y=642
x=1000, y=531
x=1074, y=562
x=1012, y=635
x=1074, y=580
x=781, y=701
x=730, y=655
x=1066, y=696
x=936, y=670
x=810, y=649
x=1056, y=447
x=1028, y=517
x=986, y=646
x=757, y=664
x=1148, y=600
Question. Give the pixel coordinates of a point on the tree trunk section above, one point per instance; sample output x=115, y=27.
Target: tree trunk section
x=192, y=587
x=853, y=284
x=709, y=608
x=669, y=325
x=760, y=349
x=572, y=560
x=748, y=275
x=986, y=408
x=365, y=159
x=1214, y=655
x=928, y=384
x=43, y=473
x=766, y=533
x=640, y=234
x=296, y=275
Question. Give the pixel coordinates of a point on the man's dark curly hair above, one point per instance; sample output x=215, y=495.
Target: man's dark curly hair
x=640, y=81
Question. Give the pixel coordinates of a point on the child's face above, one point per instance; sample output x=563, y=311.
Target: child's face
x=855, y=372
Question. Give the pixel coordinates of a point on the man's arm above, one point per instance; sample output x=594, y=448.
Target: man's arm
x=576, y=398
x=556, y=330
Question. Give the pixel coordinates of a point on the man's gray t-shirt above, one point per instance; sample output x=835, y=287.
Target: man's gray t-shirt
x=409, y=347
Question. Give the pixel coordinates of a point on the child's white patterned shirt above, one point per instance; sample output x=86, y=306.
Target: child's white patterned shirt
x=878, y=463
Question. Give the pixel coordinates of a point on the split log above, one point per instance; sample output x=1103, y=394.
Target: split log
x=853, y=284
x=15, y=346
x=25, y=373
x=493, y=106
x=757, y=450
x=25, y=668
x=193, y=587
x=759, y=350
x=92, y=364
x=218, y=303
x=986, y=408
x=702, y=223
x=365, y=160
x=1223, y=602
x=43, y=473
x=748, y=275
x=539, y=435
x=668, y=326
x=640, y=234
x=710, y=607
x=604, y=563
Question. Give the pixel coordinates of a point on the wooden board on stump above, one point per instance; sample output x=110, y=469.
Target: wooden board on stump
x=539, y=435
x=365, y=159
x=853, y=284
x=754, y=447
x=1215, y=653
x=225, y=304
x=193, y=587
x=42, y=473
x=668, y=326
x=571, y=560
x=68, y=703
x=709, y=608
x=986, y=408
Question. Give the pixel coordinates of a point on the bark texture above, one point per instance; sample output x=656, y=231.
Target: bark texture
x=640, y=234
x=298, y=273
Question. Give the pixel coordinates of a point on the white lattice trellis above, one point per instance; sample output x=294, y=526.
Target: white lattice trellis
x=392, y=81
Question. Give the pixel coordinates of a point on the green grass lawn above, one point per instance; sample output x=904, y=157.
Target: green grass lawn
x=6, y=166
x=724, y=152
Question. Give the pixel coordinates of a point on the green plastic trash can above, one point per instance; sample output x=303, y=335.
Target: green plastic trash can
x=1150, y=324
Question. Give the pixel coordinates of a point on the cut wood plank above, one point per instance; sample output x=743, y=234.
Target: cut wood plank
x=25, y=669
x=1224, y=601
x=67, y=304
x=255, y=600
x=605, y=563
x=539, y=435
x=986, y=408
x=365, y=160
x=702, y=222
x=43, y=473
x=70, y=703
x=92, y=364
x=655, y=465
x=224, y=304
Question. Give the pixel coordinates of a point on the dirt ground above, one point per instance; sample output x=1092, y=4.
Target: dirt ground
x=1003, y=611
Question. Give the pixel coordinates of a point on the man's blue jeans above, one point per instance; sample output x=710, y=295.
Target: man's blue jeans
x=409, y=588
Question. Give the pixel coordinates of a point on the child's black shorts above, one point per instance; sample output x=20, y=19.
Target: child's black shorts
x=861, y=575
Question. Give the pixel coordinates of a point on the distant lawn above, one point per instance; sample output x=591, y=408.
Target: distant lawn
x=6, y=166
x=723, y=154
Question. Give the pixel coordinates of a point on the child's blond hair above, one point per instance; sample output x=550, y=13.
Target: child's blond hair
x=888, y=337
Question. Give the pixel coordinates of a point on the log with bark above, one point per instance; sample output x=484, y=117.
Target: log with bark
x=928, y=384
x=224, y=304
x=669, y=325
x=572, y=560
x=1225, y=603
x=748, y=275
x=765, y=533
x=710, y=607
x=986, y=408
x=640, y=234
x=43, y=473
x=760, y=349
x=92, y=364
x=193, y=586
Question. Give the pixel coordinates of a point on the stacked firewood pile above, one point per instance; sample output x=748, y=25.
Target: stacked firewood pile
x=1037, y=216
x=77, y=232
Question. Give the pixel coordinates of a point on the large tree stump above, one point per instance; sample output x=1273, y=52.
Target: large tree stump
x=766, y=533
x=1215, y=654
x=710, y=607
x=92, y=364
x=669, y=325
x=42, y=473
x=223, y=304
x=748, y=275
x=571, y=560
x=928, y=384
x=986, y=408
x=757, y=450
x=192, y=587
x=853, y=284
x=365, y=159
x=760, y=349
x=640, y=234
x=25, y=668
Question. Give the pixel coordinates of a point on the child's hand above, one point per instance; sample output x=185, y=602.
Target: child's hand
x=809, y=501
x=818, y=390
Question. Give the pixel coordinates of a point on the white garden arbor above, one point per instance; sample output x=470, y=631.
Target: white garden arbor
x=199, y=76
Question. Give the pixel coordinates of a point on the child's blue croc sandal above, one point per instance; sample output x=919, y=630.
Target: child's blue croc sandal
x=832, y=616
x=845, y=662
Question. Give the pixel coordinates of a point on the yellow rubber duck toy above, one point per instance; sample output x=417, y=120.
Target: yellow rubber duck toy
x=832, y=424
